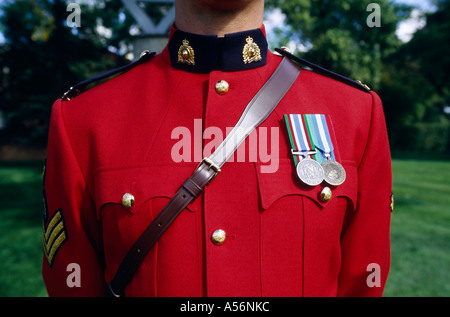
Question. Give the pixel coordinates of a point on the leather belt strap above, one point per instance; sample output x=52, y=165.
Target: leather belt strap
x=259, y=108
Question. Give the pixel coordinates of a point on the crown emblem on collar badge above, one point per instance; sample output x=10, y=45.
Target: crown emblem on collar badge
x=186, y=54
x=251, y=52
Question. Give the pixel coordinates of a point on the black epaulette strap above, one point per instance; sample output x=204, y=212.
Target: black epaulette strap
x=79, y=88
x=320, y=70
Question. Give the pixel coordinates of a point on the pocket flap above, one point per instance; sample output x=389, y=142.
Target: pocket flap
x=143, y=182
x=285, y=182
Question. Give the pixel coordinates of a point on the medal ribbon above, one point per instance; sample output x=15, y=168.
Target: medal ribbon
x=319, y=135
x=298, y=135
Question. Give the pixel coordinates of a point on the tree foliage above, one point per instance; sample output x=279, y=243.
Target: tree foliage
x=338, y=36
x=43, y=57
x=415, y=85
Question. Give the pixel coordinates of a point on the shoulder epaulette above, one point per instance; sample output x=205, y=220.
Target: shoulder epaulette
x=320, y=70
x=79, y=88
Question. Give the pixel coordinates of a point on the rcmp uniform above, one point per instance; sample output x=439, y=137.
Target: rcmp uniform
x=110, y=171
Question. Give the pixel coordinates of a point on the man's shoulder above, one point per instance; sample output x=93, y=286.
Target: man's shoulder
x=327, y=77
x=99, y=79
x=106, y=99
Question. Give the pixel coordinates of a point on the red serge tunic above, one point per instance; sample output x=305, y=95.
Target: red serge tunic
x=145, y=131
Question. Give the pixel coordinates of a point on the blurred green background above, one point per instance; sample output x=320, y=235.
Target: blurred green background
x=406, y=60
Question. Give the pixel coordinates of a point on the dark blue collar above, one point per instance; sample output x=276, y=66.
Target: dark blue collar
x=205, y=53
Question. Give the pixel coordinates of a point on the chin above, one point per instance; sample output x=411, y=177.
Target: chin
x=229, y=5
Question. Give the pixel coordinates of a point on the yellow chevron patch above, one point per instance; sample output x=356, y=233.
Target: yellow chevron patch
x=54, y=236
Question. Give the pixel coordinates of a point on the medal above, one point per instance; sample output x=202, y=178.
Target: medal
x=310, y=172
x=313, y=150
x=334, y=173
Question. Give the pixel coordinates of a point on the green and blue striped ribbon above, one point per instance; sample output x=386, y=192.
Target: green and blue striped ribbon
x=320, y=136
x=307, y=133
x=298, y=136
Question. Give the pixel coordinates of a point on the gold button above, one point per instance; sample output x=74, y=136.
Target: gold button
x=222, y=87
x=326, y=194
x=128, y=200
x=144, y=53
x=218, y=237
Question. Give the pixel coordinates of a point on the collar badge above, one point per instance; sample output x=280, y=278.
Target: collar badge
x=186, y=54
x=251, y=52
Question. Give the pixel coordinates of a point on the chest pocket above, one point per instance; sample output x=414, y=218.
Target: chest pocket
x=300, y=233
x=151, y=187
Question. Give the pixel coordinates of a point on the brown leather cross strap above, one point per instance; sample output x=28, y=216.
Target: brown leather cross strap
x=254, y=114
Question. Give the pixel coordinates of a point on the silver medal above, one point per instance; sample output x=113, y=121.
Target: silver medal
x=310, y=172
x=334, y=173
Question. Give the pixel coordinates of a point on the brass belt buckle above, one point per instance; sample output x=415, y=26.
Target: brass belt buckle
x=211, y=165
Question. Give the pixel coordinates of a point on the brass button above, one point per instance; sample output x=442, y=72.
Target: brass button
x=222, y=87
x=128, y=200
x=219, y=236
x=144, y=53
x=326, y=194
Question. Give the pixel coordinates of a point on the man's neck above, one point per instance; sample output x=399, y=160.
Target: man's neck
x=193, y=17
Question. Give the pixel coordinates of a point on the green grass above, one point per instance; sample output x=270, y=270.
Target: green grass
x=21, y=230
x=420, y=229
